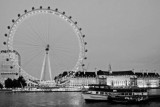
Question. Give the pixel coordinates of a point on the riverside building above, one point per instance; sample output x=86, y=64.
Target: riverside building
x=115, y=79
x=82, y=79
x=7, y=67
x=149, y=80
x=129, y=78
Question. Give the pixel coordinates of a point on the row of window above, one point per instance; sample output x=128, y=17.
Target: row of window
x=9, y=73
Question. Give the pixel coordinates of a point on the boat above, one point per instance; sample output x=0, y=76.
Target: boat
x=128, y=95
x=96, y=92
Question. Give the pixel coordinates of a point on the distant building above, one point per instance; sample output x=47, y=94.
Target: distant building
x=149, y=80
x=102, y=76
x=121, y=79
x=80, y=79
x=83, y=79
x=7, y=67
x=117, y=78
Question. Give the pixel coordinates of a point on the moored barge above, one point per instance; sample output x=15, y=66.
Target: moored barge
x=96, y=92
x=129, y=95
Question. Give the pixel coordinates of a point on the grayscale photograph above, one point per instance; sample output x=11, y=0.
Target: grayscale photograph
x=79, y=53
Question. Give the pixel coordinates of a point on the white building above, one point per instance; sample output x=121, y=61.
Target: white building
x=117, y=78
x=150, y=80
x=7, y=67
x=129, y=79
x=80, y=79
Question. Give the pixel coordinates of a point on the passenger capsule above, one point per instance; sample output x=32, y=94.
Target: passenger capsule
x=80, y=29
x=32, y=8
x=70, y=17
x=8, y=27
x=5, y=35
x=4, y=43
x=13, y=20
x=19, y=15
x=7, y=59
x=25, y=11
x=75, y=22
x=63, y=13
x=56, y=9
x=11, y=67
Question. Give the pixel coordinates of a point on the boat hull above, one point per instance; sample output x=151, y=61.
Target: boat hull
x=120, y=99
x=94, y=97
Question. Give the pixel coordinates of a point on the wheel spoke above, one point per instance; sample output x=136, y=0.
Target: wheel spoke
x=44, y=35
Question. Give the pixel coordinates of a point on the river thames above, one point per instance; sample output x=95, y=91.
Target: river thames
x=58, y=99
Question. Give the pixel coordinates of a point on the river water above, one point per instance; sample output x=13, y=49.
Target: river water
x=60, y=99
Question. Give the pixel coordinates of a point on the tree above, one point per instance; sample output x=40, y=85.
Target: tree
x=16, y=83
x=8, y=83
x=22, y=81
x=64, y=73
x=1, y=86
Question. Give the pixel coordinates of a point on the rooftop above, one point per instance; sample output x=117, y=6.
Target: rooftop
x=145, y=74
x=130, y=72
x=85, y=74
x=100, y=72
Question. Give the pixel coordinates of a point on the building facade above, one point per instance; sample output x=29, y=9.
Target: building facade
x=149, y=80
x=116, y=79
x=8, y=68
x=82, y=79
x=130, y=79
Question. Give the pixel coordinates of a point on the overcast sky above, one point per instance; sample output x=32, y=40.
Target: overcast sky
x=123, y=33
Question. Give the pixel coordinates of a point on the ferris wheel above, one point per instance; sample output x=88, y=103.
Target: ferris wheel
x=48, y=41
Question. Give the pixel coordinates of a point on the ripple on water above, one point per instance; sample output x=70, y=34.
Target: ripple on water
x=52, y=99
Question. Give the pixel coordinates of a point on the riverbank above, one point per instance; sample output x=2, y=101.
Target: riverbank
x=56, y=89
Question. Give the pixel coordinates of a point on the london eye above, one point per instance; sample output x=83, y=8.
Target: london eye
x=48, y=41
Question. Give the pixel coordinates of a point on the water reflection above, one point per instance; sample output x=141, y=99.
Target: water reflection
x=62, y=99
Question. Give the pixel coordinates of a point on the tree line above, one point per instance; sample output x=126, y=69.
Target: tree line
x=15, y=83
x=1, y=86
